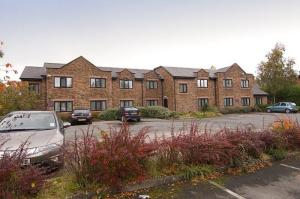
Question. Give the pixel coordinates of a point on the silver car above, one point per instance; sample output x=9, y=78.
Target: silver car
x=42, y=131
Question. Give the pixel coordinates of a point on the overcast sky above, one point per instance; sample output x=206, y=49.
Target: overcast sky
x=148, y=33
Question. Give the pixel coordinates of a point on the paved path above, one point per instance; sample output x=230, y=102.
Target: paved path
x=280, y=181
x=164, y=127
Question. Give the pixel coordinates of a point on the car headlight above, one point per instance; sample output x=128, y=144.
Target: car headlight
x=44, y=149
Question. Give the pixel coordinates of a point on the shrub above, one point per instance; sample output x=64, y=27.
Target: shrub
x=109, y=114
x=17, y=181
x=116, y=158
x=277, y=154
x=236, y=110
x=189, y=172
x=157, y=112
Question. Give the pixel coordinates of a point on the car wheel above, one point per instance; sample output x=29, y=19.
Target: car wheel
x=139, y=119
x=287, y=110
x=269, y=110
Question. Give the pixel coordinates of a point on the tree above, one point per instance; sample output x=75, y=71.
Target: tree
x=17, y=96
x=5, y=69
x=276, y=73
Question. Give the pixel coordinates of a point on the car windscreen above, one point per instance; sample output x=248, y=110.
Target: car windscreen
x=81, y=111
x=27, y=121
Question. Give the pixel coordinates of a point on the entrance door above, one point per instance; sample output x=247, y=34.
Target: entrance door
x=166, y=102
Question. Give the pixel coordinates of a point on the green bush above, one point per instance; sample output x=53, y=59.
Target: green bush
x=197, y=170
x=277, y=154
x=109, y=114
x=157, y=112
x=236, y=110
x=261, y=107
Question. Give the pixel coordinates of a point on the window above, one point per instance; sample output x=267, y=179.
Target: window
x=182, y=88
x=63, y=82
x=227, y=83
x=202, y=102
x=258, y=100
x=228, y=101
x=126, y=103
x=98, y=83
x=202, y=83
x=63, y=106
x=34, y=87
x=151, y=84
x=244, y=83
x=98, y=105
x=152, y=102
x=126, y=84
x=245, y=101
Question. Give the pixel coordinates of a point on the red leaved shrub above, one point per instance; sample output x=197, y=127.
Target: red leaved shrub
x=113, y=159
x=17, y=181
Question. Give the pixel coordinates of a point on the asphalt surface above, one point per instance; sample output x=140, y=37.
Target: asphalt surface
x=159, y=127
x=275, y=182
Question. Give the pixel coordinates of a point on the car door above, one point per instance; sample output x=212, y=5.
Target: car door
x=275, y=107
x=282, y=107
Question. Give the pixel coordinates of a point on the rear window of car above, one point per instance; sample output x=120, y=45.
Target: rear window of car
x=28, y=121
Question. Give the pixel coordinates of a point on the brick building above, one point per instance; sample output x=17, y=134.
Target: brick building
x=80, y=83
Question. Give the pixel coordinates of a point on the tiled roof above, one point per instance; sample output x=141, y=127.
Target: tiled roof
x=33, y=72
x=257, y=90
x=189, y=72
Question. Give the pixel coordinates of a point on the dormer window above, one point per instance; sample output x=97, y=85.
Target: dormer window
x=202, y=83
x=126, y=84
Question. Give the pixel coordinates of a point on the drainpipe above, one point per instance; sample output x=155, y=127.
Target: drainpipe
x=162, y=92
x=143, y=92
x=174, y=94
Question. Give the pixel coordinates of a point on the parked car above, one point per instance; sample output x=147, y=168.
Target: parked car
x=83, y=115
x=287, y=107
x=42, y=131
x=129, y=113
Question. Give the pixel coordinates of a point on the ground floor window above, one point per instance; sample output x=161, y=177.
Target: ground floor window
x=63, y=106
x=258, y=100
x=152, y=102
x=228, y=101
x=245, y=101
x=202, y=102
x=98, y=105
x=126, y=103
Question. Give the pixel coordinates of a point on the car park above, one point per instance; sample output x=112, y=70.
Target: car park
x=81, y=115
x=285, y=107
x=41, y=133
x=129, y=113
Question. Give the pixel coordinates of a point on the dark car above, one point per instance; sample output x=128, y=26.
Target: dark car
x=129, y=113
x=285, y=107
x=42, y=131
x=81, y=115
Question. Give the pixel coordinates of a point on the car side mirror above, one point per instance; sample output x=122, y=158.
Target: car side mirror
x=66, y=124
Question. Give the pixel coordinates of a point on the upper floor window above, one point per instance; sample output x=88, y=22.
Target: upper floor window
x=182, y=88
x=126, y=84
x=63, y=82
x=245, y=101
x=202, y=83
x=63, y=106
x=126, y=103
x=98, y=105
x=34, y=87
x=98, y=83
x=244, y=83
x=227, y=83
x=228, y=101
x=152, y=102
x=151, y=84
